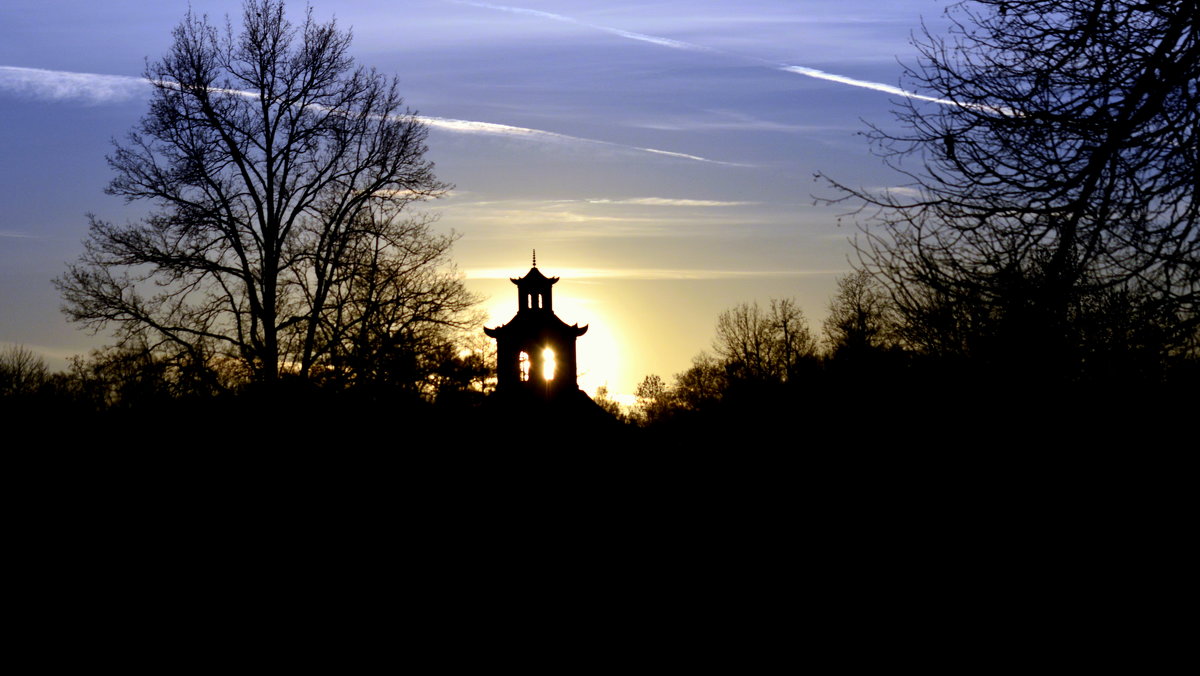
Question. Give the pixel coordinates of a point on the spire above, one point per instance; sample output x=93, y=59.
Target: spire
x=535, y=258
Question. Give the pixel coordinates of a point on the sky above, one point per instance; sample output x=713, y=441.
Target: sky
x=659, y=156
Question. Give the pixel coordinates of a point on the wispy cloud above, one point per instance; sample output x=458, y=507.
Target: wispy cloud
x=60, y=85
x=620, y=201
x=651, y=274
x=679, y=44
x=502, y=223
x=668, y=202
x=641, y=37
x=734, y=120
x=494, y=129
x=899, y=191
x=865, y=84
x=96, y=88
x=599, y=218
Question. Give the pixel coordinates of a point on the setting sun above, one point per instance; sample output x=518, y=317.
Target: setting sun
x=598, y=351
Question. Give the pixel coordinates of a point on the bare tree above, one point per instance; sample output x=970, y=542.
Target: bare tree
x=702, y=384
x=279, y=171
x=396, y=297
x=655, y=400
x=610, y=406
x=764, y=345
x=860, y=316
x=1059, y=168
x=22, y=371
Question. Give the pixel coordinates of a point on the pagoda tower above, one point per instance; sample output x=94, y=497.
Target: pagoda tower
x=535, y=350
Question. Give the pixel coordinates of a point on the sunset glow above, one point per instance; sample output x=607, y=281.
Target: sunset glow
x=660, y=165
x=597, y=352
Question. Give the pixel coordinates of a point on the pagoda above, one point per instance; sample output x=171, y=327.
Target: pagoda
x=535, y=350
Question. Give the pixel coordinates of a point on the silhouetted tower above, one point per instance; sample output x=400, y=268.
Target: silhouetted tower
x=535, y=351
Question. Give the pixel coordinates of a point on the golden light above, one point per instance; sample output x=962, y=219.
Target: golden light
x=548, y=364
x=598, y=354
x=523, y=359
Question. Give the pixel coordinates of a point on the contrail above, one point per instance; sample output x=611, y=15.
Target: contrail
x=865, y=84
x=679, y=44
x=61, y=85
x=471, y=127
x=96, y=88
x=653, y=39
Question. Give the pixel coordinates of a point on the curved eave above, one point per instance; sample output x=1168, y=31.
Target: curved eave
x=526, y=322
x=534, y=275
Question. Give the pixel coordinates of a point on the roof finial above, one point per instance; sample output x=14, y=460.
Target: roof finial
x=535, y=258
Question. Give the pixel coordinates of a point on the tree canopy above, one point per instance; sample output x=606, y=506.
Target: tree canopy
x=279, y=173
x=764, y=345
x=1048, y=206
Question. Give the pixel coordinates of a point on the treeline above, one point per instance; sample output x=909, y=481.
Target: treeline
x=876, y=370
x=145, y=389
x=1032, y=276
x=884, y=372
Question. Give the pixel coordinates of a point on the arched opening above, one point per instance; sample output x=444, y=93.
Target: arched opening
x=548, y=364
x=525, y=364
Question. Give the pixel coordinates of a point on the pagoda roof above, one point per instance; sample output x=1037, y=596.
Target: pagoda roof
x=534, y=275
x=527, y=322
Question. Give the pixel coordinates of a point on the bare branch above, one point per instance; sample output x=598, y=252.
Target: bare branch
x=278, y=169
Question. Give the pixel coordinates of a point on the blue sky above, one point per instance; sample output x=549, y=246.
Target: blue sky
x=658, y=155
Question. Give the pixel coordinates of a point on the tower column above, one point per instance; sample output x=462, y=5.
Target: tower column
x=535, y=328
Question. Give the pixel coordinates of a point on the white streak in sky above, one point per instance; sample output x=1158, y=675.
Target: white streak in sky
x=678, y=44
x=59, y=85
x=491, y=128
x=668, y=202
x=652, y=274
x=865, y=84
x=652, y=39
